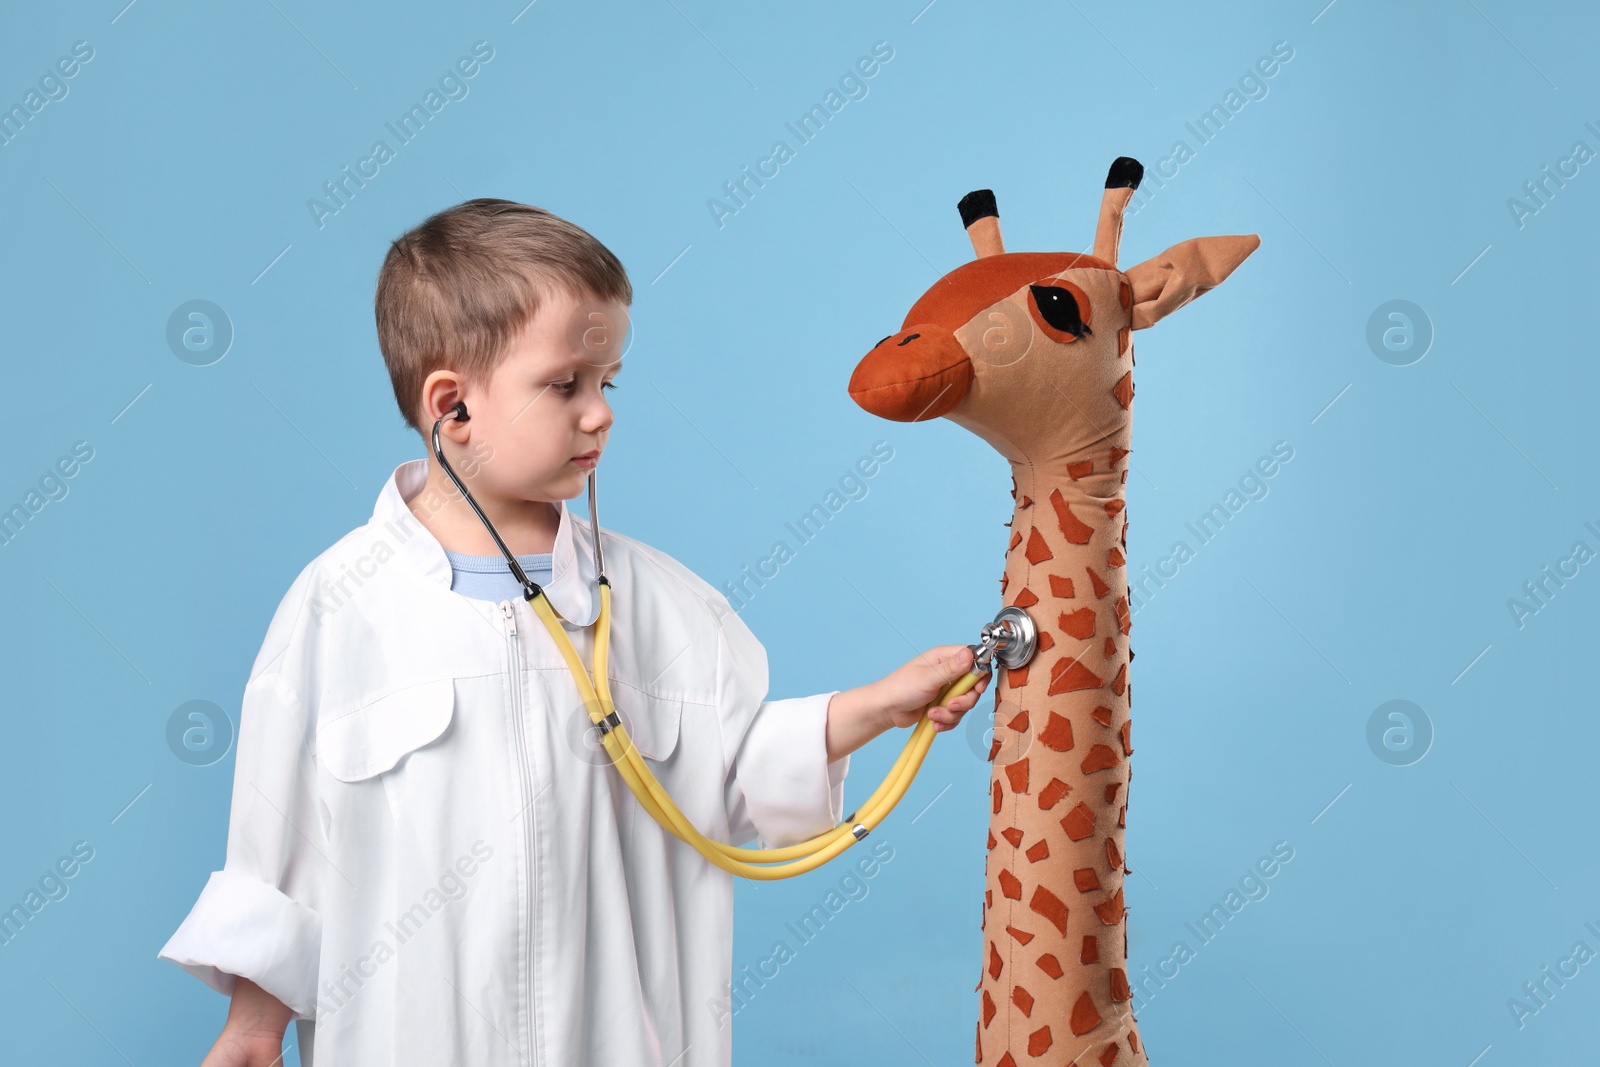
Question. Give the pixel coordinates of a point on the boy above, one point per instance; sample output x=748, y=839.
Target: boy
x=429, y=859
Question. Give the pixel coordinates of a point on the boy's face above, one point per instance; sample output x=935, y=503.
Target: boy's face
x=543, y=407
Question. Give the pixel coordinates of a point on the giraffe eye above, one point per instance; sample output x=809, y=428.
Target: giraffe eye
x=1058, y=309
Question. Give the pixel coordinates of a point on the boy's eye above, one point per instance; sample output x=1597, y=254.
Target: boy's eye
x=608, y=385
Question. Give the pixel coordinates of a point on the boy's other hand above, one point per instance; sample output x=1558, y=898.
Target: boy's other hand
x=253, y=1034
x=904, y=693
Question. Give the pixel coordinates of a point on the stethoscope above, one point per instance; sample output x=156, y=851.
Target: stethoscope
x=1008, y=641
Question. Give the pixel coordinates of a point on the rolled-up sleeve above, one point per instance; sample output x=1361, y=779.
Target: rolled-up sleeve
x=258, y=917
x=782, y=787
x=779, y=785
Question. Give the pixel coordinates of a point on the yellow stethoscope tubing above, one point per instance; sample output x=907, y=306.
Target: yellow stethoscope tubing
x=785, y=862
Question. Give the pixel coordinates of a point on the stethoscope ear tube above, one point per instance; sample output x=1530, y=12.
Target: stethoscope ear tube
x=530, y=588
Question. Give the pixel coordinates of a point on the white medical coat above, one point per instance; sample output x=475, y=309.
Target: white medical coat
x=431, y=862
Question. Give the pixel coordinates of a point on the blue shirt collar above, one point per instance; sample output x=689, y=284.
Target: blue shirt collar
x=571, y=589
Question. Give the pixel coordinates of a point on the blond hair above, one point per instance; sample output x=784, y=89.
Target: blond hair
x=457, y=288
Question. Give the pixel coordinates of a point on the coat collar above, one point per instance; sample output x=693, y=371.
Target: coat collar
x=571, y=589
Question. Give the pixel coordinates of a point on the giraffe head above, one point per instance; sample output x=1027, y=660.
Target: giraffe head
x=1032, y=351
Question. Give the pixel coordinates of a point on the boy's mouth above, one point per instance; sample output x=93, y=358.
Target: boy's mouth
x=588, y=460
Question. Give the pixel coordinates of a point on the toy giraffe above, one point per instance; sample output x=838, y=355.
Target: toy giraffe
x=1032, y=351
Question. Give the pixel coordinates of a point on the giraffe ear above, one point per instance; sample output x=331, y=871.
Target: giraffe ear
x=1164, y=283
x=919, y=373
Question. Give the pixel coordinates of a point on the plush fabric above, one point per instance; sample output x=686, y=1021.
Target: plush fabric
x=1033, y=352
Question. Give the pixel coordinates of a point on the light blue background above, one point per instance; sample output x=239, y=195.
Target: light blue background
x=1419, y=498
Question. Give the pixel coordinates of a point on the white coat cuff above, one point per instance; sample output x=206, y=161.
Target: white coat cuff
x=792, y=791
x=243, y=927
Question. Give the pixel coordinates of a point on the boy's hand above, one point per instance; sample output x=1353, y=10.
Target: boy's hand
x=909, y=689
x=856, y=716
x=253, y=1034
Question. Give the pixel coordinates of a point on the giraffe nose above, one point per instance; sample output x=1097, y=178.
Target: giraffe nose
x=920, y=373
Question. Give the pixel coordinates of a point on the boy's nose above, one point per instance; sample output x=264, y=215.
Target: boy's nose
x=599, y=416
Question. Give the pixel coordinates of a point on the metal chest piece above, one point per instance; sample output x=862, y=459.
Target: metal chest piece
x=1009, y=640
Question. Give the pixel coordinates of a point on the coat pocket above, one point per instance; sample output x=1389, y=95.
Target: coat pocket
x=357, y=743
x=652, y=721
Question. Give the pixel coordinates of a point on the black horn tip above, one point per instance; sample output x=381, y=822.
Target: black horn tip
x=1126, y=173
x=978, y=204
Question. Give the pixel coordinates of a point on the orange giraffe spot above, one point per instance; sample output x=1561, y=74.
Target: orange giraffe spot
x=1084, y=1016
x=1108, y=1055
x=1120, y=682
x=1025, y=599
x=1111, y=909
x=1085, y=879
x=992, y=841
x=1123, y=390
x=1102, y=715
x=1114, y=505
x=1037, y=551
x=1133, y=1041
x=1127, y=749
x=994, y=748
x=1039, y=1041
x=1115, y=558
x=1100, y=758
x=1051, y=907
x=1113, y=854
x=995, y=964
x=1057, y=734
x=1080, y=468
x=1016, y=539
x=1125, y=298
x=1098, y=583
x=1117, y=454
x=1019, y=722
x=1079, y=822
x=1012, y=834
x=1052, y=793
x=1016, y=678
x=1111, y=792
x=1061, y=587
x=1006, y=1061
x=1124, y=336
x=1122, y=816
x=1010, y=885
x=1017, y=771
x=988, y=1007
x=1110, y=648
x=1068, y=675
x=1004, y=578
x=1079, y=624
x=1039, y=850
x=1022, y=936
x=1073, y=528
x=1050, y=965
x=1124, y=620
x=1119, y=985
x=1090, y=953
x=1022, y=999
x=1045, y=642
x=996, y=791
x=1026, y=500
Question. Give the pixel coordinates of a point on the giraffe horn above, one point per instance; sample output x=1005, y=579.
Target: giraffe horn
x=1123, y=179
x=982, y=220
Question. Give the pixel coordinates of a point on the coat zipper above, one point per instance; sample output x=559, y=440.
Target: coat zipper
x=514, y=672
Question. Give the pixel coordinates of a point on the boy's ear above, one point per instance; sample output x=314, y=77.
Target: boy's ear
x=1164, y=283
